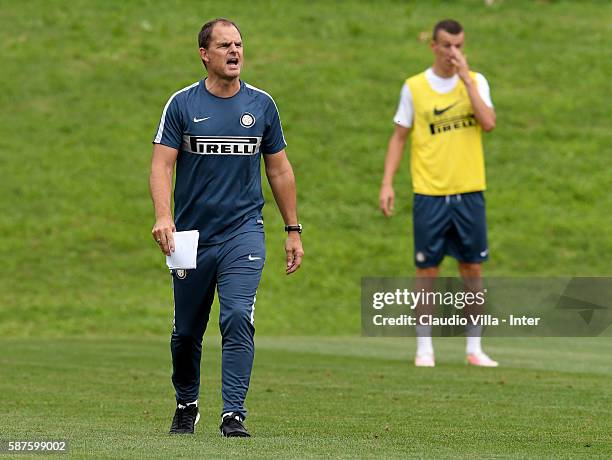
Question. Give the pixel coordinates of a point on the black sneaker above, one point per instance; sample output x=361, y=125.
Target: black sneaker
x=232, y=427
x=185, y=419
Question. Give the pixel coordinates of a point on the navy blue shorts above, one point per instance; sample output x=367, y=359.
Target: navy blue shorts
x=453, y=225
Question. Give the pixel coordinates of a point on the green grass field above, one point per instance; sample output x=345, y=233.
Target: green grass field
x=85, y=83
x=85, y=299
x=317, y=397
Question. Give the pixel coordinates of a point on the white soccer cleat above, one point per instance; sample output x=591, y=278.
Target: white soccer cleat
x=480, y=359
x=424, y=360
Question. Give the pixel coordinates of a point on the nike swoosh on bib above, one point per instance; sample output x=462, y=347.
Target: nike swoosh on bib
x=441, y=111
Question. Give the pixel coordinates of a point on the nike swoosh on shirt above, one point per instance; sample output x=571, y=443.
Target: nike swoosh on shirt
x=197, y=120
x=254, y=258
x=441, y=111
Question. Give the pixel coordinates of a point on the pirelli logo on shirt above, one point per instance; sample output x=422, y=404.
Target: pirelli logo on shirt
x=449, y=124
x=228, y=145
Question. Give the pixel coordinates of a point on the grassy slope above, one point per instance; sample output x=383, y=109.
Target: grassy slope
x=316, y=397
x=84, y=84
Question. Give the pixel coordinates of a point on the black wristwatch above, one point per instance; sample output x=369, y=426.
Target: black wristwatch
x=294, y=228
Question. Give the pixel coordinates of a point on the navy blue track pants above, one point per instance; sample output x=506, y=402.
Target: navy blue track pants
x=234, y=268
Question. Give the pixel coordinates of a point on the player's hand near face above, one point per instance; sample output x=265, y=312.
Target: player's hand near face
x=293, y=248
x=387, y=199
x=163, y=234
x=459, y=60
x=484, y=115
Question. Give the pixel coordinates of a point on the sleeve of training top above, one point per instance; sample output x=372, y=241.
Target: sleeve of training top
x=273, y=140
x=405, y=109
x=483, y=89
x=170, y=130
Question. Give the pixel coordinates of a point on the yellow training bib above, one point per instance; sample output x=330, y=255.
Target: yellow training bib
x=446, y=152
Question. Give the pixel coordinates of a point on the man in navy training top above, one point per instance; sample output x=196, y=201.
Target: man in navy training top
x=215, y=131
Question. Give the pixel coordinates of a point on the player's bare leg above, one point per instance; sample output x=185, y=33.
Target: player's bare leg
x=471, y=274
x=425, y=353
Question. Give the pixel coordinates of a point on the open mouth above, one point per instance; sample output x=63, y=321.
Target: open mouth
x=232, y=61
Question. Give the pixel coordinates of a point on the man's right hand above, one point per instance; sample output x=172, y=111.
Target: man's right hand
x=162, y=234
x=387, y=199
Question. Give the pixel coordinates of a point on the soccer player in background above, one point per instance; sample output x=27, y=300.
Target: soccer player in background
x=444, y=110
x=215, y=132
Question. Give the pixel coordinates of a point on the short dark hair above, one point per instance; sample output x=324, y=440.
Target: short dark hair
x=206, y=32
x=448, y=25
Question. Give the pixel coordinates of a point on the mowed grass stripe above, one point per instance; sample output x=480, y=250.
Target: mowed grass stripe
x=113, y=398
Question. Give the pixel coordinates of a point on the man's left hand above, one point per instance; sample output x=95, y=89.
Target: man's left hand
x=460, y=63
x=293, y=248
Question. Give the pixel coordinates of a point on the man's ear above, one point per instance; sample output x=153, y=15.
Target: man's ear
x=204, y=55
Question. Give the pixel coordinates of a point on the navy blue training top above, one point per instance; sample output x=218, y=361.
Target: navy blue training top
x=220, y=142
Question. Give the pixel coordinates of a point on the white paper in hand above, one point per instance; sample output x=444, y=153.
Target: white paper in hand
x=185, y=250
